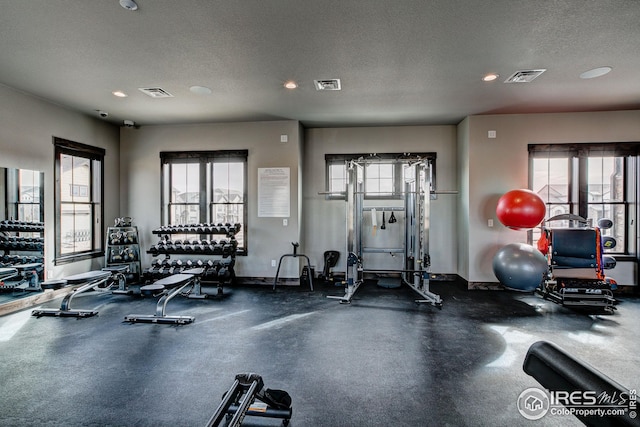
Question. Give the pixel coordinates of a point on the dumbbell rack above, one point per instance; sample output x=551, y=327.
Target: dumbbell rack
x=22, y=242
x=123, y=248
x=189, y=252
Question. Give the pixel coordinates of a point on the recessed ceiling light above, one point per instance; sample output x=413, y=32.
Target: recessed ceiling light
x=129, y=4
x=490, y=77
x=291, y=84
x=200, y=90
x=119, y=94
x=596, y=72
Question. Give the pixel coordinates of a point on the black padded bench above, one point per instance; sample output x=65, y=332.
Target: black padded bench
x=7, y=273
x=168, y=287
x=24, y=277
x=87, y=281
x=118, y=273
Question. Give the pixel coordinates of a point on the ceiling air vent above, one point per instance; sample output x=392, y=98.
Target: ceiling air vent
x=524, y=76
x=155, y=92
x=328, y=84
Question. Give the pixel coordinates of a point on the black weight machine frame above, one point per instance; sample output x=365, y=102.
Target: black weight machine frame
x=417, y=262
x=240, y=401
x=575, y=291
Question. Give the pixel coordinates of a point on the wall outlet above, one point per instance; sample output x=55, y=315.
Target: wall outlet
x=273, y=263
x=490, y=222
x=285, y=222
x=491, y=134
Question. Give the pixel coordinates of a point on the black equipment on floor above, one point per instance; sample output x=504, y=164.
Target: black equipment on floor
x=576, y=277
x=247, y=396
x=330, y=261
x=557, y=371
x=295, y=254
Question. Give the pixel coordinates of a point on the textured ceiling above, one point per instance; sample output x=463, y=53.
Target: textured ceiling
x=401, y=62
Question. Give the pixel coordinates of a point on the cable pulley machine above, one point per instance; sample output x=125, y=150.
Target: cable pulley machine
x=417, y=263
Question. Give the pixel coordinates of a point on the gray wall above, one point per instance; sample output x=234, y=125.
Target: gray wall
x=462, y=249
x=267, y=238
x=27, y=127
x=501, y=164
x=481, y=169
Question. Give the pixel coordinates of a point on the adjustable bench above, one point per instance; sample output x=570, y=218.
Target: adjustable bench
x=168, y=287
x=7, y=273
x=88, y=281
x=118, y=273
x=26, y=277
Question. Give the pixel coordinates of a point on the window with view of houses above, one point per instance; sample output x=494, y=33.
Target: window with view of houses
x=24, y=195
x=594, y=181
x=78, y=201
x=205, y=187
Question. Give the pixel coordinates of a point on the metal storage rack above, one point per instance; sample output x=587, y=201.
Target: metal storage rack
x=123, y=248
x=193, y=253
x=22, y=246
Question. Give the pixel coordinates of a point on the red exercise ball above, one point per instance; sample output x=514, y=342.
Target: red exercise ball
x=520, y=209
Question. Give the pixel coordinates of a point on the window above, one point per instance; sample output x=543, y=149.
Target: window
x=383, y=175
x=24, y=195
x=594, y=181
x=379, y=179
x=205, y=187
x=78, y=201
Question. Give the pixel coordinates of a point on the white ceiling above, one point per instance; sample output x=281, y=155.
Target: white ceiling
x=401, y=62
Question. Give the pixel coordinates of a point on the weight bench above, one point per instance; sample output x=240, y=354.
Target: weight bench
x=557, y=371
x=118, y=276
x=168, y=287
x=5, y=274
x=88, y=281
x=27, y=275
x=240, y=401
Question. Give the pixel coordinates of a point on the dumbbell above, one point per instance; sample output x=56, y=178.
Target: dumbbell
x=175, y=265
x=224, y=273
x=165, y=270
x=228, y=249
x=129, y=254
x=116, y=256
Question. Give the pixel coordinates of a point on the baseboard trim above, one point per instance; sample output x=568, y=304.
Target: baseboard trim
x=484, y=286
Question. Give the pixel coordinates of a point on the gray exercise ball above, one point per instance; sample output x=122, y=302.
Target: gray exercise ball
x=519, y=266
